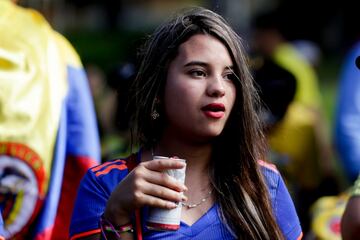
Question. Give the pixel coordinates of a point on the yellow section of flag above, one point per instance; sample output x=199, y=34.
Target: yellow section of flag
x=32, y=80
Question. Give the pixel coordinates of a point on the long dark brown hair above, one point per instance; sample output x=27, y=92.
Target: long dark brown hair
x=235, y=175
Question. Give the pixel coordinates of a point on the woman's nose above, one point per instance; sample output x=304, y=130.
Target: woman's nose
x=216, y=87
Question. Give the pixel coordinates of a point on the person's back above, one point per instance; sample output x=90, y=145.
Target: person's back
x=45, y=141
x=299, y=124
x=308, y=92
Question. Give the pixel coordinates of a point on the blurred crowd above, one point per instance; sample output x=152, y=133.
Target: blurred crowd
x=318, y=157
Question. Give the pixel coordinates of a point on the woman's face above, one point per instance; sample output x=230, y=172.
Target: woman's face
x=199, y=90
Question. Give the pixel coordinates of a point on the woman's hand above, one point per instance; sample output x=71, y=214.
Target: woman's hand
x=148, y=185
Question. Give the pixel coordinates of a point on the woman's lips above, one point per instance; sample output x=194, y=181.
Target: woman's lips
x=214, y=110
x=216, y=115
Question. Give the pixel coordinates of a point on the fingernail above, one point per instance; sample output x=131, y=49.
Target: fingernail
x=184, y=198
x=172, y=205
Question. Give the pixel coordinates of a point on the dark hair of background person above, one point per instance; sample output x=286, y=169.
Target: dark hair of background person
x=235, y=175
x=271, y=20
x=120, y=78
x=276, y=87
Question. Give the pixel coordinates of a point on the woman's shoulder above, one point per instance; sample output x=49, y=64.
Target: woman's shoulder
x=268, y=166
x=269, y=170
x=271, y=174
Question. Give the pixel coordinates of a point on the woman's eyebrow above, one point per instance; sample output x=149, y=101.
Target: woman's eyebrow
x=203, y=64
x=196, y=63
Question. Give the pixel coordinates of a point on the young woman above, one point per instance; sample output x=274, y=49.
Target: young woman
x=195, y=100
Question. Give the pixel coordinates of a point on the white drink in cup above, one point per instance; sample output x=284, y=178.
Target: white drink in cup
x=167, y=219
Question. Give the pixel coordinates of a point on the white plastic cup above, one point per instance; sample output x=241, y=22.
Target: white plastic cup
x=167, y=219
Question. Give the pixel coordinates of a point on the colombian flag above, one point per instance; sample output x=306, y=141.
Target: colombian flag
x=48, y=131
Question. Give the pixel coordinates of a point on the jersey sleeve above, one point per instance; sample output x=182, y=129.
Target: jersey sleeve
x=283, y=206
x=285, y=213
x=93, y=194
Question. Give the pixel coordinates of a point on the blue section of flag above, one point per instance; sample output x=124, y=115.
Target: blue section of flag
x=83, y=138
x=77, y=136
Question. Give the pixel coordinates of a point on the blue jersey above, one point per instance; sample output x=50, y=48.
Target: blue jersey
x=100, y=181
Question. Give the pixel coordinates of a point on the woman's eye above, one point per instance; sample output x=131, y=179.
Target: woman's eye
x=197, y=73
x=230, y=76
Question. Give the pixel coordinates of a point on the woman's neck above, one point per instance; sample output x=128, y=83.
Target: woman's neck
x=197, y=156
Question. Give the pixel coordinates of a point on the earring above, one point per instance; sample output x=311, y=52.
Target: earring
x=155, y=114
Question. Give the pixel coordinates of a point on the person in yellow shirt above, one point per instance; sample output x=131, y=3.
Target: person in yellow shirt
x=302, y=135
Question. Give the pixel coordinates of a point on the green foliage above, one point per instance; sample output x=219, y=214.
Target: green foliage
x=106, y=48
